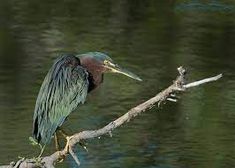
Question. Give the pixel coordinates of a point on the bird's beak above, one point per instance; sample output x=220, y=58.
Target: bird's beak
x=117, y=69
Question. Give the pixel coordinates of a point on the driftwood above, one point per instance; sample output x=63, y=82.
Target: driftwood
x=169, y=94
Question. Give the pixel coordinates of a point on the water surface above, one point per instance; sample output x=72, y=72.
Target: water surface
x=151, y=38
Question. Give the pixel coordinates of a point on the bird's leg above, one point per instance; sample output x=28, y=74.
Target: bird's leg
x=35, y=143
x=67, y=137
x=42, y=150
x=57, y=145
x=63, y=133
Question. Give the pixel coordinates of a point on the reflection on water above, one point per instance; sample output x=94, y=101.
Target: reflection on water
x=150, y=38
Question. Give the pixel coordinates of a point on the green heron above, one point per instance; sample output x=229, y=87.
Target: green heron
x=65, y=87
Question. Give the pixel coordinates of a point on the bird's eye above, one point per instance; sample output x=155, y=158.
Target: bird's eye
x=106, y=62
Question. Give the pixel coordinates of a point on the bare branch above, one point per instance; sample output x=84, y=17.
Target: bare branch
x=167, y=94
x=74, y=156
x=196, y=83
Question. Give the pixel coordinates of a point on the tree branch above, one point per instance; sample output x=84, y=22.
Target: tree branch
x=196, y=83
x=167, y=94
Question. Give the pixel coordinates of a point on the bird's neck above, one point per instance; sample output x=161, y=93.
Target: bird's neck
x=94, y=80
x=95, y=73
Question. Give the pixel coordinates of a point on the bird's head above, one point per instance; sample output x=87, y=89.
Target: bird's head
x=97, y=61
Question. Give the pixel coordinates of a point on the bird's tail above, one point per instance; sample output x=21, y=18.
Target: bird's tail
x=43, y=131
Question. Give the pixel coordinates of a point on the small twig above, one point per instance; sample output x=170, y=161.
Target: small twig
x=172, y=100
x=74, y=156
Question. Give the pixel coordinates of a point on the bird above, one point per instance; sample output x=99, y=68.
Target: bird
x=65, y=88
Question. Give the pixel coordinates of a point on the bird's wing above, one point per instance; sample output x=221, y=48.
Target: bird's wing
x=63, y=89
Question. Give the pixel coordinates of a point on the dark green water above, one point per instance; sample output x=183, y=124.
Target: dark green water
x=151, y=38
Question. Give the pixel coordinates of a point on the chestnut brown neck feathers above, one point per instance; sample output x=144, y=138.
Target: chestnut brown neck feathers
x=95, y=70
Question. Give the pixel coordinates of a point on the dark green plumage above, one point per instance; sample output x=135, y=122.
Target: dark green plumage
x=62, y=90
x=66, y=86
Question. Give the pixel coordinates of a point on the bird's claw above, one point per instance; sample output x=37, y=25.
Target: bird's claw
x=67, y=146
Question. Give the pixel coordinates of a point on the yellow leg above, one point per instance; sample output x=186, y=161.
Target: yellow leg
x=42, y=150
x=63, y=133
x=57, y=145
x=67, y=137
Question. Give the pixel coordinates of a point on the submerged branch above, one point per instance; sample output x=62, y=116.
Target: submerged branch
x=167, y=94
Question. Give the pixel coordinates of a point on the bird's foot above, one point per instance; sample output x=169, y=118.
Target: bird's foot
x=66, y=150
x=67, y=146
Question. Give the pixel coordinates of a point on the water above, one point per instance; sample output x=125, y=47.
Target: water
x=151, y=38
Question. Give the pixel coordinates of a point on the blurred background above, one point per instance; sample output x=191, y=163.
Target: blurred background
x=151, y=38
